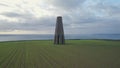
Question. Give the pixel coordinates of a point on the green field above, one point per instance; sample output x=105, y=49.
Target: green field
x=74, y=54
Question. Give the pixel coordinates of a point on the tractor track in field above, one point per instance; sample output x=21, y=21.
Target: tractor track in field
x=6, y=57
x=48, y=60
x=20, y=59
x=9, y=60
x=16, y=54
x=51, y=59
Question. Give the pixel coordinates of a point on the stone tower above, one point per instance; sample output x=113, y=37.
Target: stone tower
x=59, y=32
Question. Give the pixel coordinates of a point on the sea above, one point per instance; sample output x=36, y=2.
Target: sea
x=18, y=37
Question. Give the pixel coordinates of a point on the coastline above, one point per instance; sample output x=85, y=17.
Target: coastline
x=65, y=40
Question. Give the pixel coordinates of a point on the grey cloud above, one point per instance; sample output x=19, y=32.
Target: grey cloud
x=18, y=15
x=78, y=20
x=66, y=4
x=114, y=10
x=12, y=14
x=29, y=24
x=6, y=26
x=4, y=4
x=106, y=9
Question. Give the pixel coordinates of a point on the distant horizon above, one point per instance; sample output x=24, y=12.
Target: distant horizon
x=66, y=34
x=53, y=34
x=17, y=37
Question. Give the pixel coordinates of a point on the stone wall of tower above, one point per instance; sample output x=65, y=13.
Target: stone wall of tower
x=59, y=32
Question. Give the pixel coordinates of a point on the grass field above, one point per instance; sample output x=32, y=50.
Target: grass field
x=74, y=54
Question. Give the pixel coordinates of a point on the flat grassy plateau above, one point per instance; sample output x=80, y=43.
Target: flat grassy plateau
x=74, y=54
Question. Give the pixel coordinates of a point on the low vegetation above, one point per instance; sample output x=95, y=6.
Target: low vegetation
x=74, y=54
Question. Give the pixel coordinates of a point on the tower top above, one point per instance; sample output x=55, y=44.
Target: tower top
x=59, y=16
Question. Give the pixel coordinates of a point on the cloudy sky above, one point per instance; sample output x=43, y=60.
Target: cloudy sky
x=79, y=16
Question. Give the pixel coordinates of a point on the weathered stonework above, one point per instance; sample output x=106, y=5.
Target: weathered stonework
x=59, y=32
